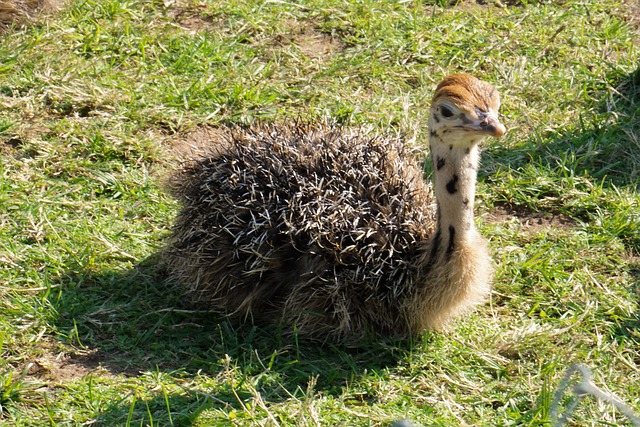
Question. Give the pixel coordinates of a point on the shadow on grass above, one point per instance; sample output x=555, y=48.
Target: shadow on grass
x=603, y=146
x=134, y=323
x=568, y=172
x=604, y=151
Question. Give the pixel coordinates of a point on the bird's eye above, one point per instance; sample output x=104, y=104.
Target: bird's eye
x=446, y=111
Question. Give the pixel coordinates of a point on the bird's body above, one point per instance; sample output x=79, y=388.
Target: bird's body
x=331, y=232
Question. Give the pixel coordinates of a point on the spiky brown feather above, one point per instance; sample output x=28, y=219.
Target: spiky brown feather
x=316, y=226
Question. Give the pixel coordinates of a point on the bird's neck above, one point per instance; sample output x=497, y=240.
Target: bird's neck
x=455, y=172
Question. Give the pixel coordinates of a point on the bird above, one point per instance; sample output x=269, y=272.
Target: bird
x=332, y=232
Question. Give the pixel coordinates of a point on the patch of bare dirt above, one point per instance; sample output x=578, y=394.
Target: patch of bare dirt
x=52, y=364
x=631, y=10
x=471, y=4
x=304, y=35
x=9, y=145
x=313, y=44
x=20, y=12
x=61, y=367
x=193, y=18
x=529, y=220
x=195, y=143
x=16, y=143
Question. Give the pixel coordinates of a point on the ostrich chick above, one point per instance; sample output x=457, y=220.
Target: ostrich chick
x=332, y=232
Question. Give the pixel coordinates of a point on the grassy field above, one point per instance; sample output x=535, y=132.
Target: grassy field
x=95, y=100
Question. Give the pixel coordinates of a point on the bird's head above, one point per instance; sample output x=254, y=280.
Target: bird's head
x=464, y=111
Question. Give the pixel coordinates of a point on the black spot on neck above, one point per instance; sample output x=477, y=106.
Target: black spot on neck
x=465, y=202
x=433, y=133
x=439, y=163
x=450, y=147
x=452, y=186
x=436, y=118
x=452, y=235
x=467, y=150
x=436, y=247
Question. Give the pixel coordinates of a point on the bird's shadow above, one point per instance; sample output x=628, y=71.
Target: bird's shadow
x=135, y=322
x=602, y=149
x=598, y=146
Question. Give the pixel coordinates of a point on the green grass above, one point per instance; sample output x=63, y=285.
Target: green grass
x=92, y=100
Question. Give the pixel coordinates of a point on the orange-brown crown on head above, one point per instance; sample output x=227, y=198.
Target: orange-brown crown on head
x=468, y=93
x=465, y=108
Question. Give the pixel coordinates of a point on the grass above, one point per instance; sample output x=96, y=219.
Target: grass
x=94, y=97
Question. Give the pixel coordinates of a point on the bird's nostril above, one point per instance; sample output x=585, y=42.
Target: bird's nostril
x=484, y=123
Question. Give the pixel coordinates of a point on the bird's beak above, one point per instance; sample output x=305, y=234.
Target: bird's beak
x=493, y=127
